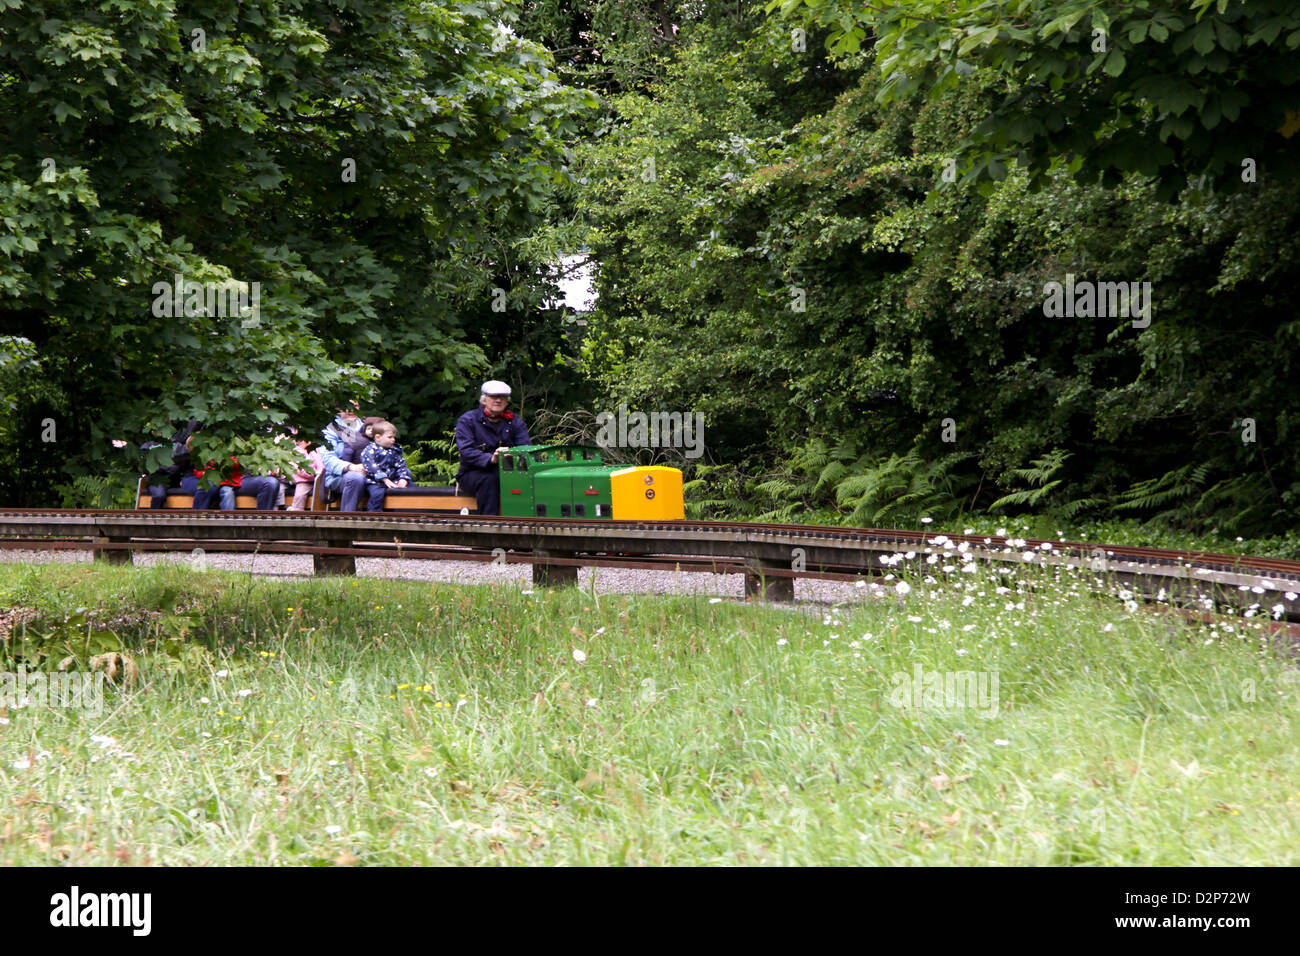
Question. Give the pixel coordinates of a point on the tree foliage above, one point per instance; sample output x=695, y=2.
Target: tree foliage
x=800, y=267
x=364, y=163
x=1175, y=91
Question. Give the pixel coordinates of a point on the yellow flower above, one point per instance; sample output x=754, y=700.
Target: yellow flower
x=403, y=686
x=239, y=717
x=288, y=609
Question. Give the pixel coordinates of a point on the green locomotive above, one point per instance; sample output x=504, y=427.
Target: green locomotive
x=573, y=481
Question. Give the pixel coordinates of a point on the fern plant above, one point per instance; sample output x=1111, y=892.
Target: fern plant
x=1042, y=469
x=721, y=490
x=905, y=488
x=1173, y=486
x=98, y=491
x=434, y=462
x=1242, y=505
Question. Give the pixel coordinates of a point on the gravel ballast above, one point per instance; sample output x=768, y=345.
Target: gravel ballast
x=606, y=580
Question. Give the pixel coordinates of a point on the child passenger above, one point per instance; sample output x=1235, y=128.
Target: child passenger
x=385, y=465
x=311, y=466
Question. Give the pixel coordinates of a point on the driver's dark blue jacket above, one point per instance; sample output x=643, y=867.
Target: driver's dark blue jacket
x=477, y=437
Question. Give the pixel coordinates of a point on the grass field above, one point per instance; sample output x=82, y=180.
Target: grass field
x=340, y=721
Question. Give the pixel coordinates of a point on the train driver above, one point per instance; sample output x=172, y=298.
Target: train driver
x=481, y=436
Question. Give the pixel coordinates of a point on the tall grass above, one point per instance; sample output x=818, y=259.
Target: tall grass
x=394, y=723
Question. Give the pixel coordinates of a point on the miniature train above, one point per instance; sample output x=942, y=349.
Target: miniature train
x=537, y=481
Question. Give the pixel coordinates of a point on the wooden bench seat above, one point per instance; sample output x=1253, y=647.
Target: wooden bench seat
x=440, y=498
x=180, y=498
x=437, y=498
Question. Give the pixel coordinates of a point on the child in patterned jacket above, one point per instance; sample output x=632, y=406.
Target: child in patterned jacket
x=385, y=465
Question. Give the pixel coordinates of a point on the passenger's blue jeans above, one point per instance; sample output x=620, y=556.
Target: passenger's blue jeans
x=158, y=493
x=263, y=487
x=348, y=485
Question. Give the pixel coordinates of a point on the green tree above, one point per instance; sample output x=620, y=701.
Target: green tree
x=802, y=268
x=355, y=161
x=1208, y=88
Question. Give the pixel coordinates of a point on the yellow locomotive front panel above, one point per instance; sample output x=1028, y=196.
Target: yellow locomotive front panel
x=647, y=493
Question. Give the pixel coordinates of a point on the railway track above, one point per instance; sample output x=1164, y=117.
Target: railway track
x=770, y=556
